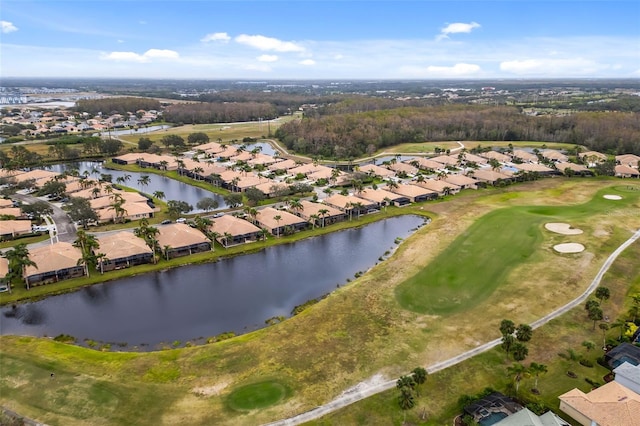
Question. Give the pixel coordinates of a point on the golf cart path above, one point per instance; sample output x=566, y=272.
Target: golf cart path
x=377, y=384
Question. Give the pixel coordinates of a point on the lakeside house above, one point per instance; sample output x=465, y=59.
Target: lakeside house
x=461, y=181
x=232, y=230
x=278, y=221
x=179, y=239
x=326, y=215
x=413, y=193
x=383, y=198
x=441, y=187
x=54, y=262
x=624, y=171
x=351, y=204
x=490, y=177
x=378, y=171
x=122, y=250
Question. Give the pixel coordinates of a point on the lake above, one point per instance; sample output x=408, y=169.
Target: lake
x=198, y=301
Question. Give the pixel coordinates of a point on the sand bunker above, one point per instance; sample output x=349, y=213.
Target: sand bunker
x=562, y=228
x=612, y=197
x=569, y=248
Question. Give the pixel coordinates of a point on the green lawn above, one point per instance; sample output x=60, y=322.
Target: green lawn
x=467, y=272
x=258, y=395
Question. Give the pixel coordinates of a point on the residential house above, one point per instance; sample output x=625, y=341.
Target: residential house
x=282, y=165
x=624, y=352
x=11, y=212
x=384, y=198
x=414, y=193
x=272, y=188
x=524, y=156
x=624, y=171
x=325, y=213
x=578, y=169
x=232, y=230
x=440, y=186
x=493, y=155
x=592, y=158
x=351, y=204
x=179, y=239
x=13, y=228
x=445, y=160
x=403, y=169
x=121, y=250
x=373, y=170
x=279, y=221
x=490, y=177
x=535, y=168
x=628, y=375
x=629, y=160
x=461, y=181
x=526, y=417
x=612, y=404
x=54, y=262
x=555, y=156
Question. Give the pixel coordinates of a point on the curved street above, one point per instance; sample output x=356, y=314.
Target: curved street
x=371, y=387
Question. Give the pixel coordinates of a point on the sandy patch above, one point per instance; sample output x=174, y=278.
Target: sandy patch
x=207, y=391
x=569, y=248
x=562, y=228
x=612, y=197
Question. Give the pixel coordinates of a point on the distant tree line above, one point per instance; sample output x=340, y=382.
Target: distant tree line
x=202, y=113
x=116, y=105
x=356, y=134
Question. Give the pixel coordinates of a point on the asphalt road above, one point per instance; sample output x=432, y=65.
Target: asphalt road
x=65, y=226
x=365, y=390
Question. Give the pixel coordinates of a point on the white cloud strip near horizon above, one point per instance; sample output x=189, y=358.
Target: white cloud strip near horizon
x=7, y=27
x=261, y=42
x=147, y=56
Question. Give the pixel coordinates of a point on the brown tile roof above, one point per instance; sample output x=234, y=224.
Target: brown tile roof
x=594, y=154
x=283, y=165
x=307, y=169
x=129, y=158
x=573, y=166
x=620, y=170
x=460, y=180
x=533, y=167
x=121, y=245
x=233, y=225
x=108, y=200
x=378, y=195
x=403, y=167
x=425, y=163
x=14, y=227
x=630, y=160
x=37, y=175
x=610, y=404
x=53, y=257
x=475, y=158
x=209, y=147
x=445, y=159
x=552, y=154
x=263, y=159
x=133, y=211
x=488, y=175
x=496, y=156
x=4, y=173
x=251, y=181
x=271, y=187
x=178, y=235
x=4, y=267
x=340, y=201
x=4, y=202
x=376, y=170
x=525, y=155
x=266, y=218
x=411, y=191
x=436, y=185
x=309, y=208
x=11, y=211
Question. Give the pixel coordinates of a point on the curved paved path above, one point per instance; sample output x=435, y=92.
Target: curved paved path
x=363, y=390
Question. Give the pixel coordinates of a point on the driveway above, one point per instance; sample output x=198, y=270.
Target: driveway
x=65, y=226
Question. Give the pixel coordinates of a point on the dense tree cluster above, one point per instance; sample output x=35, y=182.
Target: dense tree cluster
x=201, y=113
x=119, y=105
x=353, y=135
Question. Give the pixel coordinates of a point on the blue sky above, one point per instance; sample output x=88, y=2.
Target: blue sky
x=401, y=39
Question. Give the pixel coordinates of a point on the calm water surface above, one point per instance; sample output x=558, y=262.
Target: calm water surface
x=173, y=190
x=236, y=294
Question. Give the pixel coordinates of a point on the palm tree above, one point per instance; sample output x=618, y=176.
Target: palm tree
x=165, y=250
x=295, y=204
x=358, y=205
x=323, y=213
x=524, y=332
x=196, y=171
x=387, y=201
x=603, y=293
x=314, y=220
x=227, y=238
x=277, y=218
x=537, y=369
x=158, y=195
x=143, y=181
x=518, y=371
x=101, y=258
x=623, y=325
x=87, y=243
x=604, y=327
x=213, y=236
x=264, y=232
x=18, y=259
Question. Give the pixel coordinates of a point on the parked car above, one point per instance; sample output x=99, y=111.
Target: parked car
x=181, y=220
x=165, y=222
x=218, y=214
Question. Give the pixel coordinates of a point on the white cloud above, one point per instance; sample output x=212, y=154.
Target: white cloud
x=7, y=27
x=267, y=58
x=457, y=27
x=145, y=57
x=307, y=62
x=458, y=70
x=223, y=37
x=546, y=66
x=268, y=43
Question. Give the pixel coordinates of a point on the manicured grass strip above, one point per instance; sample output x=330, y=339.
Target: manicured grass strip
x=478, y=261
x=474, y=265
x=258, y=395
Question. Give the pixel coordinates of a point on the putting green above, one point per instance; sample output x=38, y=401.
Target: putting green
x=470, y=269
x=258, y=395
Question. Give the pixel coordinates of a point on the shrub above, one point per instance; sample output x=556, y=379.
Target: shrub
x=586, y=363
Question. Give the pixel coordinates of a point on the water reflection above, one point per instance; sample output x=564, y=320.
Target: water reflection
x=173, y=190
x=236, y=294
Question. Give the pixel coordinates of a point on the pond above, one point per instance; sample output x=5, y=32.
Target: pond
x=173, y=190
x=199, y=301
x=132, y=131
